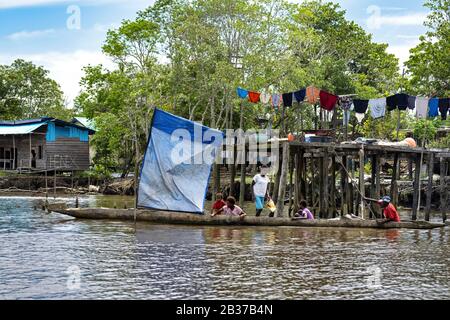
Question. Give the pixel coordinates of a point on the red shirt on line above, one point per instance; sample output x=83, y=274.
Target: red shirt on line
x=391, y=213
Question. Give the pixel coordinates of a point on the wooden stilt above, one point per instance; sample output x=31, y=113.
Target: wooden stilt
x=394, y=184
x=333, y=186
x=348, y=187
x=283, y=178
x=378, y=183
x=291, y=182
x=277, y=179
x=443, y=191
x=321, y=189
x=429, y=186
x=297, y=180
x=362, y=188
x=343, y=186
x=416, y=190
x=325, y=185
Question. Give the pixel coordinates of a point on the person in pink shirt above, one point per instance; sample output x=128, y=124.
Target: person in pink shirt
x=231, y=209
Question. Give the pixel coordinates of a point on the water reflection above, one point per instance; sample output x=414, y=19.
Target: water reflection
x=185, y=262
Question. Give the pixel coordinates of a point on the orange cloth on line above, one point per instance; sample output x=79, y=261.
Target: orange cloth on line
x=254, y=96
x=312, y=94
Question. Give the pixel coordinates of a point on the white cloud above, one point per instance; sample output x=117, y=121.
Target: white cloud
x=376, y=20
x=402, y=51
x=65, y=68
x=29, y=34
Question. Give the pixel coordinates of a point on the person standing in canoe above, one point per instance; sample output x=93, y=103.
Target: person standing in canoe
x=389, y=211
x=259, y=184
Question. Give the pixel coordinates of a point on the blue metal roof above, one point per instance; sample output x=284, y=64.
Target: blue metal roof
x=20, y=129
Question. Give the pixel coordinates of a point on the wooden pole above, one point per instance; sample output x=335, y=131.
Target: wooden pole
x=348, y=187
x=416, y=188
x=29, y=135
x=243, y=158
x=343, y=186
x=283, y=178
x=277, y=179
x=394, y=184
x=362, y=188
x=378, y=183
x=291, y=176
x=296, y=181
x=321, y=188
x=14, y=152
x=429, y=186
x=325, y=185
x=443, y=190
x=54, y=185
x=333, y=186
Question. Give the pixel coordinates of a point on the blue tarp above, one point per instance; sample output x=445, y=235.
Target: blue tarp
x=177, y=164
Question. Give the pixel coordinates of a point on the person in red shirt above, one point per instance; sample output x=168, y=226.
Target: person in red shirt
x=218, y=205
x=389, y=211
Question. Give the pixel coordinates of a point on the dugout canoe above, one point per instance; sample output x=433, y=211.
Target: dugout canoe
x=164, y=217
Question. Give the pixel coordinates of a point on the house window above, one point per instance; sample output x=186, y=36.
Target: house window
x=40, y=153
x=2, y=153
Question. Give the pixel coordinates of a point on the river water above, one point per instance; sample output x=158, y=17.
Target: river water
x=50, y=256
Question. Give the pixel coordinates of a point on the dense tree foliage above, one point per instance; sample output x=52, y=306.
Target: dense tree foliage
x=188, y=57
x=26, y=91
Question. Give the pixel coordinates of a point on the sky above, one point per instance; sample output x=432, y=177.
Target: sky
x=65, y=35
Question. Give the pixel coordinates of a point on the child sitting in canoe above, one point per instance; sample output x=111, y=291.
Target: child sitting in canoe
x=218, y=204
x=231, y=209
x=303, y=212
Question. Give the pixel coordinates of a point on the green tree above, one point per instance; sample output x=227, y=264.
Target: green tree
x=26, y=91
x=429, y=62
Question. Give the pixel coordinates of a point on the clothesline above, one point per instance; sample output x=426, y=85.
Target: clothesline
x=424, y=106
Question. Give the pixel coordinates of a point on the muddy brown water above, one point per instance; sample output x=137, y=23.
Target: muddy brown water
x=50, y=256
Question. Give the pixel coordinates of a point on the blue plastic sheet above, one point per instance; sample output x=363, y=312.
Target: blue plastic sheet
x=177, y=164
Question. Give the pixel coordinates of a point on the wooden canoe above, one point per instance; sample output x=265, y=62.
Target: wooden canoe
x=206, y=220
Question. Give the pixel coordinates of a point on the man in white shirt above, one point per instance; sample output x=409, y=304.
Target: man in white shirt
x=260, y=182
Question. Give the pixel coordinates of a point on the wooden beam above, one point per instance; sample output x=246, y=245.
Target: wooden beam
x=429, y=186
x=444, y=192
x=325, y=186
x=416, y=191
x=362, y=188
x=333, y=186
x=283, y=178
x=344, y=209
x=394, y=185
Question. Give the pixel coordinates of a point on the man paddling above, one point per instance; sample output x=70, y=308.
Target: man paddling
x=388, y=209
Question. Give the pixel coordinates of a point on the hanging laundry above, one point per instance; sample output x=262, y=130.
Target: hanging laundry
x=287, y=99
x=312, y=94
x=433, y=107
x=421, y=107
x=443, y=107
x=391, y=102
x=265, y=98
x=402, y=101
x=360, y=116
x=411, y=102
x=254, y=96
x=346, y=117
x=327, y=100
x=276, y=100
x=345, y=103
x=242, y=93
x=360, y=105
x=300, y=95
x=377, y=107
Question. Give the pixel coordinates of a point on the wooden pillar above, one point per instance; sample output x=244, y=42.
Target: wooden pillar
x=291, y=182
x=277, y=178
x=243, y=159
x=14, y=153
x=343, y=186
x=416, y=191
x=375, y=184
x=54, y=185
x=394, y=184
x=443, y=190
x=313, y=184
x=325, y=185
x=348, y=186
x=297, y=180
x=283, y=178
x=378, y=183
x=321, y=188
x=333, y=185
x=429, y=186
x=362, y=188
x=29, y=136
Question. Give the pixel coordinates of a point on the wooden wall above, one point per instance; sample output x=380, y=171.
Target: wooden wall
x=63, y=154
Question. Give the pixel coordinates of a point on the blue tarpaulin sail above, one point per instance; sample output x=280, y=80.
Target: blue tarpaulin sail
x=177, y=164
